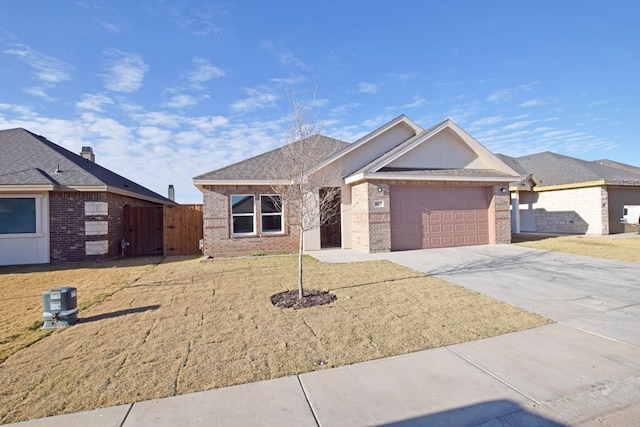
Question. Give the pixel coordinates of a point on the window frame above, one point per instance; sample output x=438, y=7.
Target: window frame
x=38, y=216
x=272, y=214
x=234, y=215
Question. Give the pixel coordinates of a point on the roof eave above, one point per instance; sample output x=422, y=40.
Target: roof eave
x=354, y=179
x=14, y=188
x=539, y=188
x=200, y=183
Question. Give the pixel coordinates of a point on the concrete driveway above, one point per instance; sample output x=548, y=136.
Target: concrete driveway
x=595, y=295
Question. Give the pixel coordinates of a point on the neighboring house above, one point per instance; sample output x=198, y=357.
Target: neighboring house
x=402, y=187
x=57, y=206
x=561, y=194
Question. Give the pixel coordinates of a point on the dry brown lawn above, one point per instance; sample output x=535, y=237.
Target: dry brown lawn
x=608, y=247
x=23, y=286
x=185, y=326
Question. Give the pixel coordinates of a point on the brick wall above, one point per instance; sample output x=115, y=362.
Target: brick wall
x=500, y=213
x=371, y=223
x=360, y=216
x=81, y=229
x=572, y=211
x=371, y=228
x=218, y=241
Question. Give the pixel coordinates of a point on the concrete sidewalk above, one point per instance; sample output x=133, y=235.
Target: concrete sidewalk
x=583, y=370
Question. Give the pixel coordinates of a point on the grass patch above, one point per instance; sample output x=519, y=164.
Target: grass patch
x=188, y=326
x=23, y=287
x=620, y=249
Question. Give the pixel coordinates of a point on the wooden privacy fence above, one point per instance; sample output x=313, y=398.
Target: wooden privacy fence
x=182, y=229
x=163, y=230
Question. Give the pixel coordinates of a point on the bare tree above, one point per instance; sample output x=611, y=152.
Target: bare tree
x=307, y=193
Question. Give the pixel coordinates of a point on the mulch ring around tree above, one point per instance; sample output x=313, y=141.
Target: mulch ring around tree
x=290, y=299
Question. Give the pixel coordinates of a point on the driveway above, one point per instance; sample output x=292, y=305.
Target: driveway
x=591, y=294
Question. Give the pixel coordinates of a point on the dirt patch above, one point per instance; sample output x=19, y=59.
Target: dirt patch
x=291, y=299
x=188, y=326
x=608, y=247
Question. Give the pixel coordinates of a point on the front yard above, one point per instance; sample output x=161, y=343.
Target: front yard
x=184, y=325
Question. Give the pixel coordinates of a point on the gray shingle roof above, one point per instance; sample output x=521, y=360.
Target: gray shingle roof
x=555, y=169
x=260, y=168
x=30, y=159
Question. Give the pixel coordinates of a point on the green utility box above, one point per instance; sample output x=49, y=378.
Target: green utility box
x=60, y=307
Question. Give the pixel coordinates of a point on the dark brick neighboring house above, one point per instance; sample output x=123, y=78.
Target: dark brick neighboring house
x=58, y=206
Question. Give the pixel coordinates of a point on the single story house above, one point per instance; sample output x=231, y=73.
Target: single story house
x=58, y=206
x=401, y=187
x=562, y=194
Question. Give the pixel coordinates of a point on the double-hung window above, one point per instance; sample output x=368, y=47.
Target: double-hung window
x=271, y=214
x=18, y=215
x=243, y=214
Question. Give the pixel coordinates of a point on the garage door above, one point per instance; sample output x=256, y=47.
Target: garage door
x=424, y=218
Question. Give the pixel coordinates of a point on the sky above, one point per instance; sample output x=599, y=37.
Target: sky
x=165, y=90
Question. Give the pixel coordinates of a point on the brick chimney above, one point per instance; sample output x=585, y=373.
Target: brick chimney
x=87, y=153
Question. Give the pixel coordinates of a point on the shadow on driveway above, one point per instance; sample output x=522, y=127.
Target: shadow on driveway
x=510, y=413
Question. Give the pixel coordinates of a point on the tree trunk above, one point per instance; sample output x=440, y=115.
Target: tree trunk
x=300, y=248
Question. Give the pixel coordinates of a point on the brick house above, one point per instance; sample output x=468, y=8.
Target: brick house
x=401, y=187
x=565, y=195
x=57, y=206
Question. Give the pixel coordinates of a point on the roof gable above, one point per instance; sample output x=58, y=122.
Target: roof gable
x=443, y=147
x=374, y=144
x=30, y=160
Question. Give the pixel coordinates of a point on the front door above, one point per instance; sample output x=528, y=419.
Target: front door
x=330, y=234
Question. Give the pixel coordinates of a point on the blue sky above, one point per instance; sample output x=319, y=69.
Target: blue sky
x=167, y=90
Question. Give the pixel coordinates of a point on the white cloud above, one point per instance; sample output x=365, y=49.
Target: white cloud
x=532, y=103
x=157, y=118
x=343, y=109
x=153, y=135
x=417, y=102
x=47, y=69
x=204, y=71
x=125, y=71
x=257, y=99
x=369, y=88
x=208, y=124
x=108, y=26
x=491, y=120
x=506, y=94
x=284, y=57
x=94, y=102
x=520, y=124
x=181, y=101
x=38, y=91
x=403, y=77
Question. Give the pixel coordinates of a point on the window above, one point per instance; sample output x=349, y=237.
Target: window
x=242, y=214
x=271, y=214
x=17, y=215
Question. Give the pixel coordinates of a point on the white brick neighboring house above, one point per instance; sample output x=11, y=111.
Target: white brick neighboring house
x=565, y=195
x=401, y=187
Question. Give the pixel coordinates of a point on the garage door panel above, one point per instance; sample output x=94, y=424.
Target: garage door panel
x=440, y=217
